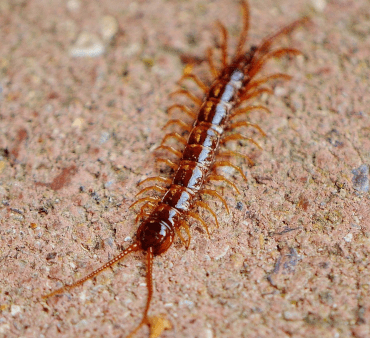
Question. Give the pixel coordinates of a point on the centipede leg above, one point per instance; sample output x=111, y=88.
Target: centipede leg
x=206, y=206
x=196, y=79
x=183, y=108
x=170, y=149
x=217, y=195
x=273, y=54
x=143, y=212
x=191, y=96
x=247, y=110
x=229, y=164
x=214, y=177
x=246, y=124
x=185, y=226
x=266, y=43
x=176, y=136
x=168, y=162
x=223, y=43
x=244, y=33
x=212, y=67
x=141, y=215
x=238, y=136
x=156, y=178
x=235, y=153
x=145, y=199
x=178, y=122
x=149, y=283
x=153, y=187
x=246, y=95
x=265, y=79
x=198, y=218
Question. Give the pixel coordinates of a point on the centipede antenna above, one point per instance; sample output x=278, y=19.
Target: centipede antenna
x=134, y=247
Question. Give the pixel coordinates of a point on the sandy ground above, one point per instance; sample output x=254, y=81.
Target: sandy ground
x=77, y=134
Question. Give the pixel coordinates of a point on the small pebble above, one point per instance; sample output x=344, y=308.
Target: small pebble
x=239, y=206
x=15, y=309
x=78, y=122
x=73, y=5
x=187, y=303
x=87, y=45
x=319, y=5
x=157, y=325
x=208, y=333
x=292, y=315
x=108, y=27
x=4, y=327
x=223, y=253
x=348, y=238
x=104, y=137
x=2, y=166
x=360, y=178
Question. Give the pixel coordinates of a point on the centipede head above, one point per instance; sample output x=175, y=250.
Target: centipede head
x=157, y=234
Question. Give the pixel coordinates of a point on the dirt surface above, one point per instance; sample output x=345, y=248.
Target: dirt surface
x=77, y=134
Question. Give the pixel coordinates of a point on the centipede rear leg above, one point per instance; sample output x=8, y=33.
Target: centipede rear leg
x=244, y=33
x=214, y=71
x=258, y=64
x=224, y=42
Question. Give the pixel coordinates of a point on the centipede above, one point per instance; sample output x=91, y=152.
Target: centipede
x=235, y=82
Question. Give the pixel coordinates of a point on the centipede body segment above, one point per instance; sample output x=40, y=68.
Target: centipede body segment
x=233, y=86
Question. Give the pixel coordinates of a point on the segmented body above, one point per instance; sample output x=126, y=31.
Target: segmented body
x=233, y=85
x=196, y=163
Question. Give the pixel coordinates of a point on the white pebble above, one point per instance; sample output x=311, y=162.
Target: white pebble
x=73, y=5
x=104, y=137
x=4, y=327
x=319, y=5
x=348, y=238
x=108, y=27
x=292, y=315
x=87, y=45
x=223, y=253
x=186, y=302
x=208, y=333
x=280, y=91
x=83, y=296
x=15, y=309
x=78, y=122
